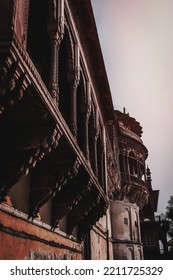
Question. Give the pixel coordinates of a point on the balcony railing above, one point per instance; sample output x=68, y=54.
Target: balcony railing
x=131, y=134
x=133, y=180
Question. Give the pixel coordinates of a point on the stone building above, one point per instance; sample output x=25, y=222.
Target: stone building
x=134, y=189
x=72, y=169
x=154, y=229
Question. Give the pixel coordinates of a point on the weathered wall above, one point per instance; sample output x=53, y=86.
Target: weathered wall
x=126, y=230
x=125, y=251
x=125, y=221
x=32, y=241
x=101, y=245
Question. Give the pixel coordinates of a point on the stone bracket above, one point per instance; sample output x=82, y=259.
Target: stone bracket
x=30, y=158
x=13, y=84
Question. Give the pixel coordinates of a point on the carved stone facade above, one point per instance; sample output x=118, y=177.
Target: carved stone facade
x=133, y=194
x=62, y=150
x=154, y=229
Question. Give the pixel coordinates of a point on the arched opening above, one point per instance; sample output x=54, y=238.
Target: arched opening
x=38, y=41
x=130, y=254
x=91, y=139
x=140, y=254
x=142, y=171
x=133, y=165
x=65, y=77
x=80, y=113
x=136, y=227
x=161, y=247
x=100, y=159
x=127, y=224
x=121, y=162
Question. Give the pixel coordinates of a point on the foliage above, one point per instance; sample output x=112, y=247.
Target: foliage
x=169, y=215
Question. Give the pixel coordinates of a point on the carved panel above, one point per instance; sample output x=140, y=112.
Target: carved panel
x=70, y=195
x=134, y=194
x=97, y=210
x=113, y=176
x=13, y=84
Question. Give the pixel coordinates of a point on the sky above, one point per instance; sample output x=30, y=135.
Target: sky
x=136, y=38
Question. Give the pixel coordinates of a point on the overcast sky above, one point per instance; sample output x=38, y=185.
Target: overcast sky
x=136, y=37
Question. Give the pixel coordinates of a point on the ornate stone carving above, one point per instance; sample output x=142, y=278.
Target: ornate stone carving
x=134, y=194
x=97, y=210
x=47, y=184
x=13, y=84
x=113, y=176
x=13, y=12
x=74, y=93
x=82, y=209
x=30, y=162
x=70, y=195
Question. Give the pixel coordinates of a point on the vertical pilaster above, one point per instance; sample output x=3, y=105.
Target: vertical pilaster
x=126, y=165
x=56, y=32
x=86, y=122
x=53, y=82
x=86, y=140
x=102, y=158
x=74, y=93
x=95, y=137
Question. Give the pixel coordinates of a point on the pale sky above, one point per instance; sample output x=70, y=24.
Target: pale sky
x=136, y=37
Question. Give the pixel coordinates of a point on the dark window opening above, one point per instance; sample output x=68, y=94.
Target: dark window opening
x=38, y=41
x=91, y=140
x=64, y=86
x=100, y=160
x=80, y=114
x=121, y=163
x=133, y=165
x=149, y=241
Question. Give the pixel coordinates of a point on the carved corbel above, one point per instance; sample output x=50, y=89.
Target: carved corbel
x=63, y=193
x=30, y=162
x=40, y=191
x=98, y=209
x=44, y=183
x=13, y=84
x=45, y=148
x=69, y=196
x=81, y=210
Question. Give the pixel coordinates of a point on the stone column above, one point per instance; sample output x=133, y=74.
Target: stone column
x=53, y=83
x=74, y=93
x=126, y=165
x=95, y=135
x=87, y=112
x=56, y=32
x=86, y=144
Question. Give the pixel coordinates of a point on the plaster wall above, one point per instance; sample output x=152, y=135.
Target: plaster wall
x=126, y=251
x=126, y=230
x=101, y=245
x=32, y=241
